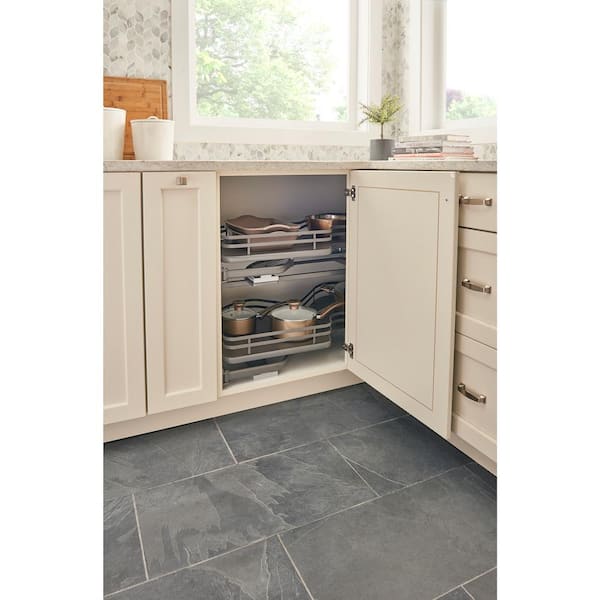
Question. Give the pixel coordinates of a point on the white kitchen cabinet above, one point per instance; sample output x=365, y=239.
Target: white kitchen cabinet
x=124, y=372
x=181, y=232
x=401, y=273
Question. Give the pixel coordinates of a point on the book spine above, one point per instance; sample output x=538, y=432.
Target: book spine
x=434, y=149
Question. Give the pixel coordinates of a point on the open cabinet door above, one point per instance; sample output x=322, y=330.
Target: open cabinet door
x=401, y=269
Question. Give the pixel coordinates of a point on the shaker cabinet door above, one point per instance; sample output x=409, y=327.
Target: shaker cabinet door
x=181, y=229
x=401, y=270
x=124, y=376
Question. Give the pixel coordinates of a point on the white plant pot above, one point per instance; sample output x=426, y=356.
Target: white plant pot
x=114, y=133
x=153, y=138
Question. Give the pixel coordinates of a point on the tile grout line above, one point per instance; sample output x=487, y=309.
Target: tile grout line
x=458, y=587
x=466, y=591
x=295, y=568
x=478, y=576
x=137, y=522
x=347, y=461
x=235, y=460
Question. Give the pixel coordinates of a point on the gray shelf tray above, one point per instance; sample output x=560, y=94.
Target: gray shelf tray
x=257, y=346
x=241, y=248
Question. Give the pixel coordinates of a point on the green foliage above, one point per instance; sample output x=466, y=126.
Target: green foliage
x=471, y=107
x=253, y=59
x=382, y=113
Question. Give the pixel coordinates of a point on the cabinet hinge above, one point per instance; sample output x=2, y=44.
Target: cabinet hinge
x=351, y=192
x=349, y=348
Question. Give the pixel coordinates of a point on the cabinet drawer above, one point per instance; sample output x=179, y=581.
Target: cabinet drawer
x=474, y=397
x=475, y=188
x=476, y=291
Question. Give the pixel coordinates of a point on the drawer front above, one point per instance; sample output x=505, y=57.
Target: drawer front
x=473, y=212
x=476, y=292
x=474, y=409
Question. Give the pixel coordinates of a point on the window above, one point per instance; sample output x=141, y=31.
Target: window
x=453, y=84
x=273, y=71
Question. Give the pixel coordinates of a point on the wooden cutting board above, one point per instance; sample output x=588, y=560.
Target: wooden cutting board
x=141, y=98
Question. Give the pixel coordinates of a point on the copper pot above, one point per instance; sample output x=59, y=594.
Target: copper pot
x=238, y=319
x=293, y=318
x=327, y=221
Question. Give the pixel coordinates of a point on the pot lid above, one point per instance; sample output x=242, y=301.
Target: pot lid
x=293, y=311
x=238, y=312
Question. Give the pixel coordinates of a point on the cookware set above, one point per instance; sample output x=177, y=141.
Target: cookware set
x=291, y=318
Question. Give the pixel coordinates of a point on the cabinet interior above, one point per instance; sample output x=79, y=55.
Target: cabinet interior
x=289, y=198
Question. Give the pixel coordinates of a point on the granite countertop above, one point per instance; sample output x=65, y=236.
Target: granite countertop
x=293, y=166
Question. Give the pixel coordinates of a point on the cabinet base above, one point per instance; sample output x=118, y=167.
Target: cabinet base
x=230, y=404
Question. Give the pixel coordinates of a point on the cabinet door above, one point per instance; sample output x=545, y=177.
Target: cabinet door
x=402, y=238
x=181, y=231
x=124, y=385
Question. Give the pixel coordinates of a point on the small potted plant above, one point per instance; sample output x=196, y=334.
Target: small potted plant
x=385, y=112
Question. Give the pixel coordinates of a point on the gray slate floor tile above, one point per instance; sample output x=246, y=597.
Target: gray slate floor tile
x=397, y=453
x=457, y=594
x=488, y=478
x=413, y=544
x=484, y=587
x=281, y=426
x=163, y=456
x=258, y=572
x=123, y=562
x=188, y=521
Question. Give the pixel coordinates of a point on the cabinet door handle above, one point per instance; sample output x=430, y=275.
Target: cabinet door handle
x=479, y=398
x=181, y=181
x=484, y=288
x=475, y=201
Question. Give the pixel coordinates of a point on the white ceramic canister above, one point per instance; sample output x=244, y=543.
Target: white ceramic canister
x=114, y=133
x=153, y=138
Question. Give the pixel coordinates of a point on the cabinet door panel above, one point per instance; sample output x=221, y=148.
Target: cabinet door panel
x=401, y=271
x=124, y=376
x=180, y=251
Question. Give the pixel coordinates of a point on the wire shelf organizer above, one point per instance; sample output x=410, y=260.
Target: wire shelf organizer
x=267, y=351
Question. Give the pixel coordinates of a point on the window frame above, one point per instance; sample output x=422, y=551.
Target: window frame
x=364, y=85
x=427, y=48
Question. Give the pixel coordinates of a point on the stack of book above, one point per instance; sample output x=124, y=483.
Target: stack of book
x=445, y=146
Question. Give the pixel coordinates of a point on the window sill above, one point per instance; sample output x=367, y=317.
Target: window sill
x=255, y=135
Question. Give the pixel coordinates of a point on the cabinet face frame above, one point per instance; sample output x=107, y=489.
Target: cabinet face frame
x=124, y=369
x=181, y=236
x=438, y=415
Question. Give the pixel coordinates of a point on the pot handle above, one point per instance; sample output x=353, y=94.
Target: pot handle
x=329, y=309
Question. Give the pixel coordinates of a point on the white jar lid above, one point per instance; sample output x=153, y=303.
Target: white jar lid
x=151, y=120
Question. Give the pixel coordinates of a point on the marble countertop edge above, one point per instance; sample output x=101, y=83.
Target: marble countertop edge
x=287, y=166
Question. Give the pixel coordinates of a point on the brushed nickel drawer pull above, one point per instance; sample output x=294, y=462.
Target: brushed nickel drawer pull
x=475, y=201
x=484, y=288
x=181, y=181
x=479, y=398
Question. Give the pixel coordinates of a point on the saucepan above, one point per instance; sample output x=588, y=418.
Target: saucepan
x=327, y=220
x=292, y=318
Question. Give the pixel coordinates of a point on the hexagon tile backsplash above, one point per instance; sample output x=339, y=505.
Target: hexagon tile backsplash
x=137, y=39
